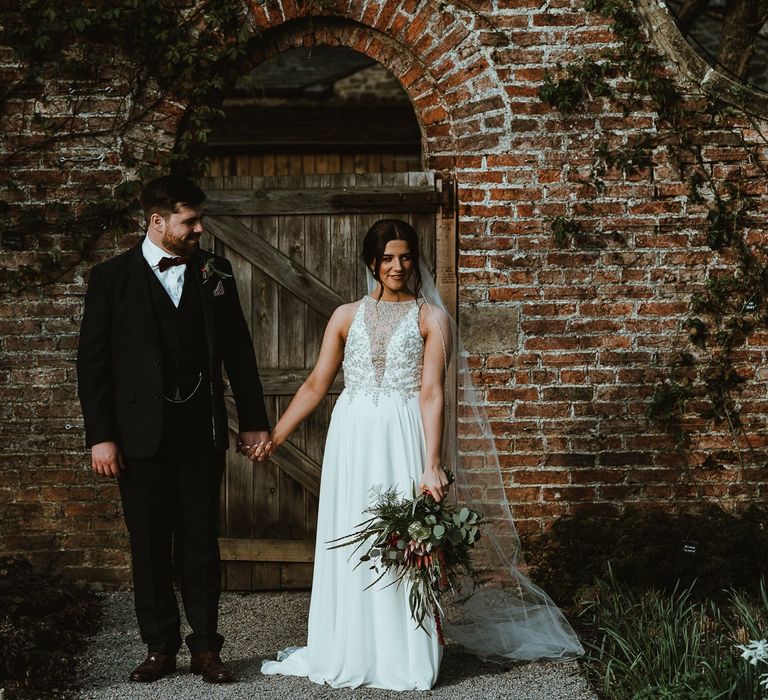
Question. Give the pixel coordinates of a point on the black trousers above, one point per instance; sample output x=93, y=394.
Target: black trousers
x=171, y=509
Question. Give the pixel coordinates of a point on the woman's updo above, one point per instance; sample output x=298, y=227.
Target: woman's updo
x=375, y=243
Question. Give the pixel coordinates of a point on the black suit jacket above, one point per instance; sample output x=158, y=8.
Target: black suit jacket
x=119, y=368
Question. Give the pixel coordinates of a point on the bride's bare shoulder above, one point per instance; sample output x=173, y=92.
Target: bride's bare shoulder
x=342, y=317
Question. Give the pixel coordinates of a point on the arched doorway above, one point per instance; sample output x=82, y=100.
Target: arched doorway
x=306, y=159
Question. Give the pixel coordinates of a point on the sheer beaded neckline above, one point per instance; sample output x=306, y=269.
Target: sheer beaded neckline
x=387, y=301
x=382, y=322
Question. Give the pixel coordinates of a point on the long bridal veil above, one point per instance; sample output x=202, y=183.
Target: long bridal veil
x=506, y=615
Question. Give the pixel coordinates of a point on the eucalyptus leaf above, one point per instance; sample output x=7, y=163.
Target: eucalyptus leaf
x=463, y=514
x=438, y=531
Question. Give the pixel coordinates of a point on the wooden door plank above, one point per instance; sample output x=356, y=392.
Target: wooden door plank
x=286, y=381
x=291, y=243
x=446, y=253
x=294, y=463
x=317, y=248
x=270, y=202
x=267, y=550
x=291, y=275
x=296, y=576
x=239, y=523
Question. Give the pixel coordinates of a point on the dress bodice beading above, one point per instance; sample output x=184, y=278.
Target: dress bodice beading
x=384, y=351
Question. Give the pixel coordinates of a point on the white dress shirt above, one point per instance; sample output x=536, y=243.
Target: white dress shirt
x=173, y=278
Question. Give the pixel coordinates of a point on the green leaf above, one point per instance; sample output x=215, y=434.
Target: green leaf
x=438, y=531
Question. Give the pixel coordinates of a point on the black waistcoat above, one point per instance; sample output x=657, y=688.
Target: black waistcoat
x=182, y=338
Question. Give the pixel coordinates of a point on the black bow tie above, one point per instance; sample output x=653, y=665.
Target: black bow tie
x=165, y=263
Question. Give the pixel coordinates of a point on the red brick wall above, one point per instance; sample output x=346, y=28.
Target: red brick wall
x=597, y=319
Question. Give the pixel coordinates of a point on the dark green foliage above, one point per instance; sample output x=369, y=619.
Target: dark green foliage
x=144, y=55
x=667, y=645
x=652, y=549
x=82, y=228
x=730, y=307
x=565, y=230
x=585, y=80
x=43, y=620
x=668, y=403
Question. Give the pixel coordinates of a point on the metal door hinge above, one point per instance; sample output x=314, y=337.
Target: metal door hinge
x=447, y=197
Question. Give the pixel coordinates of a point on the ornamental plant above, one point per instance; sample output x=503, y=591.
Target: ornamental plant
x=420, y=543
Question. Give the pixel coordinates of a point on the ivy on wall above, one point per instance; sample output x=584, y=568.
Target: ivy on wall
x=730, y=306
x=142, y=55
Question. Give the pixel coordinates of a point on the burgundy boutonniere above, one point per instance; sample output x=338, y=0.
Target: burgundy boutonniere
x=209, y=270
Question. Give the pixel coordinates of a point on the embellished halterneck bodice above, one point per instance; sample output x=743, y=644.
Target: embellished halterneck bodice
x=384, y=351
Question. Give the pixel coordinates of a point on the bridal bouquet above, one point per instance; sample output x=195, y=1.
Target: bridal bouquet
x=422, y=542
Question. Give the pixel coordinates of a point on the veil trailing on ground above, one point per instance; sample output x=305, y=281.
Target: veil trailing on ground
x=505, y=615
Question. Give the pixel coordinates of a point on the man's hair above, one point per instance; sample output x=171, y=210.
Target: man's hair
x=164, y=194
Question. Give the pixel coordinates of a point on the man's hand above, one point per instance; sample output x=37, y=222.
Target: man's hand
x=106, y=459
x=255, y=445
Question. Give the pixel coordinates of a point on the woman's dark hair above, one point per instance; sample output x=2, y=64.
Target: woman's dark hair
x=375, y=243
x=164, y=194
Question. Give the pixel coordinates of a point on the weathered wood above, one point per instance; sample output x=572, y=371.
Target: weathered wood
x=287, y=381
x=296, y=576
x=293, y=462
x=343, y=247
x=272, y=550
x=260, y=164
x=317, y=252
x=292, y=354
x=322, y=250
x=239, y=520
x=270, y=202
x=266, y=576
x=277, y=265
x=447, y=259
x=288, y=459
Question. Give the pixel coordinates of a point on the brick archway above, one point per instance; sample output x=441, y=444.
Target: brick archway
x=459, y=106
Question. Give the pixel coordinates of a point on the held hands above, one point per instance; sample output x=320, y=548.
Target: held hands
x=255, y=444
x=106, y=459
x=435, y=481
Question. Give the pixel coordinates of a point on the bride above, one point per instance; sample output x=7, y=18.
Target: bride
x=386, y=431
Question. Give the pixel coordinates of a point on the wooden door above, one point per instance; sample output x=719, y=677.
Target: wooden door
x=294, y=244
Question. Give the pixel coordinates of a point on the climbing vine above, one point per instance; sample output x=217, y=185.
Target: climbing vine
x=148, y=62
x=729, y=307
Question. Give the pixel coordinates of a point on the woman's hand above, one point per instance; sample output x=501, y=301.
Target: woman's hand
x=435, y=481
x=254, y=445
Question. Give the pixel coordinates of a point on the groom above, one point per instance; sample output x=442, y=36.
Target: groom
x=159, y=321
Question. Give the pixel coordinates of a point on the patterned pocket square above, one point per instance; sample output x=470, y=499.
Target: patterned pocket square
x=219, y=291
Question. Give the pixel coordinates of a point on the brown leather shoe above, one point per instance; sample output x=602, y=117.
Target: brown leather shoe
x=209, y=665
x=155, y=666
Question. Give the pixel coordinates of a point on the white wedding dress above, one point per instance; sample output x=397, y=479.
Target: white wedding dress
x=361, y=637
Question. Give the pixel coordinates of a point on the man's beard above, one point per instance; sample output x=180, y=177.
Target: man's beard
x=181, y=246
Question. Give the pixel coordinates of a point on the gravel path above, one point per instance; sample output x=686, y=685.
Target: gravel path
x=256, y=626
